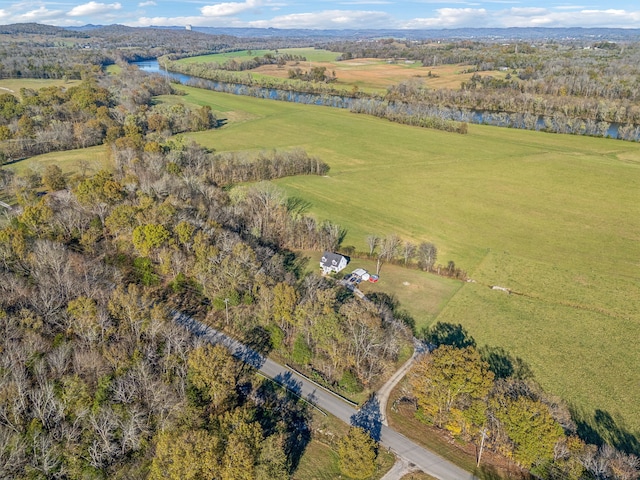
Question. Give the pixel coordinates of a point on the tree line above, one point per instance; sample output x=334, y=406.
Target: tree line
x=239, y=65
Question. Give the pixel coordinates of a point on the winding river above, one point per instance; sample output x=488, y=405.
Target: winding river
x=336, y=101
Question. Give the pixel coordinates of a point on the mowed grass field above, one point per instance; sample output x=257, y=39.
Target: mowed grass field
x=310, y=53
x=70, y=161
x=555, y=218
x=367, y=74
x=13, y=85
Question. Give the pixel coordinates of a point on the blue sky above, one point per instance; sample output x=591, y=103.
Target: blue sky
x=339, y=14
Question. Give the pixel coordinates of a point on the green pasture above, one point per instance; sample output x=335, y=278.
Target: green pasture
x=69, y=161
x=13, y=85
x=310, y=53
x=555, y=218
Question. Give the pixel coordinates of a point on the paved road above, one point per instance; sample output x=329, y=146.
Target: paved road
x=368, y=416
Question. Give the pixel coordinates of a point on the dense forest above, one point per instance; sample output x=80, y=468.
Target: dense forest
x=98, y=381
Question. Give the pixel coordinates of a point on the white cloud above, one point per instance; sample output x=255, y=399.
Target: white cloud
x=198, y=21
x=93, y=8
x=366, y=2
x=229, y=8
x=330, y=19
x=147, y=4
x=581, y=18
x=451, y=18
x=37, y=15
x=526, y=17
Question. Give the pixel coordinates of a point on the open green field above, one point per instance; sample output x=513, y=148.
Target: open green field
x=310, y=53
x=13, y=85
x=69, y=161
x=553, y=217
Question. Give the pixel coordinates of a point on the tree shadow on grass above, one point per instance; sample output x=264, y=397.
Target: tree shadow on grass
x=602, y=428
x=505, y=365
x=443, y=333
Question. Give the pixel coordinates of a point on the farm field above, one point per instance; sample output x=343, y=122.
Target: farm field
x=552, y=217
x=69, y=161
x=367, y=74
x=13, y=85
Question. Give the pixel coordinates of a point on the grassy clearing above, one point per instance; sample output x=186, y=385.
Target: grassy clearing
x=13, y=85
x=69, y=161
x=554, y=217
x=311, y=54
x=422, y=294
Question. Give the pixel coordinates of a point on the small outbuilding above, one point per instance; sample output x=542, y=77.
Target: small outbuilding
x=332, y=262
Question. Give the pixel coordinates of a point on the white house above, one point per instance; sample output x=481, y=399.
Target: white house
x=332, y=262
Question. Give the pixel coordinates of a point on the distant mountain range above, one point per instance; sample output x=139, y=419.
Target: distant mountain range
x=612, y=34
x=496, y=34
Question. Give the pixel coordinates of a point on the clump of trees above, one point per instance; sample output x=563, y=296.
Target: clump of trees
x=239, y=65
x=357, y=452
x=314, y=74
x=234, y=167
x=469, y=393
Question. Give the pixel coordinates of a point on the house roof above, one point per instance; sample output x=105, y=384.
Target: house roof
x=331, y=259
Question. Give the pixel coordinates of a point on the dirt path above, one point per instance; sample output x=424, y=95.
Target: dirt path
x=385, y=391
x=399, y=470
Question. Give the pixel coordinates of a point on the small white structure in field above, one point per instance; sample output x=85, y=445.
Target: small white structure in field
x=332, y=262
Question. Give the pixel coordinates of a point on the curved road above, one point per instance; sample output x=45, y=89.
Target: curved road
x=368, y=417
